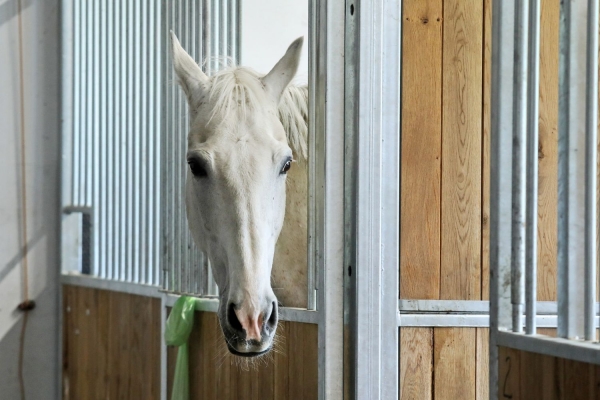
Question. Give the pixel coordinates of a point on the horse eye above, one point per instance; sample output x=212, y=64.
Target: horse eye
x=197, y=169
x=286, y=167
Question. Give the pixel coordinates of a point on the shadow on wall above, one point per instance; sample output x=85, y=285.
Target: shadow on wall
x=9, y=9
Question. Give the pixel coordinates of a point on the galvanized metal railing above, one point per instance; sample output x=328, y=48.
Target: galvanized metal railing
x=514, y=180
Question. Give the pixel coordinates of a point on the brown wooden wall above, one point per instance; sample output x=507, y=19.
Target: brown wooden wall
x=524, y=375
x=290, y=372
x=445, y=185
x=111, y=350
x=111, y=345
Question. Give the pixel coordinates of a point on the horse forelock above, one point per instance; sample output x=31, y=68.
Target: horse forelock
x=237, y=91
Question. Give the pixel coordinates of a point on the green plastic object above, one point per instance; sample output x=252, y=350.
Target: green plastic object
x=177, y=331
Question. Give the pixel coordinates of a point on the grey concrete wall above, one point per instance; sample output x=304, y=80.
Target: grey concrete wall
x=41, y=45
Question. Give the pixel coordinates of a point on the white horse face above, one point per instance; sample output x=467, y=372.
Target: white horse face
x=238, y=158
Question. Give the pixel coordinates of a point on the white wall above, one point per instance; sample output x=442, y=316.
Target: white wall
x=41, y=20
x=268, y=28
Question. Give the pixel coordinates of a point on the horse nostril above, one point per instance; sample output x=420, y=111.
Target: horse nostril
x=272, y=320
x=232, y=319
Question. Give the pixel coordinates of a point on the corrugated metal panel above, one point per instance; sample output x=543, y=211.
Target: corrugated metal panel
x=113, y=151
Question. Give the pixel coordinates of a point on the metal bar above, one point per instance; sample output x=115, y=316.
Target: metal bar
x=223, y=32
x=94, y=171
x=532, y=166
x=68, y=65
x=466, y=306
x=76, y=96
x=556, y=347
x=136, y=136
x=116, y=149
x=130, y=134
x=110, y=170
x=123, y=143
x=378, y=193
x=571, y=167
x=463, y=321
x=145, y=144
x=314, y=170
x=591, y=137
x=165, y=132
x=328, y=78
x=231, y=13
x=103, y=132
x=112, y=285
x=519, y=146
x=503, y=16
x=158, y=117
x=85, y=104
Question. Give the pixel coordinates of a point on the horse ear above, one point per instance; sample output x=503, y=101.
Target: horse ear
x=283, y=72
x=189, y=74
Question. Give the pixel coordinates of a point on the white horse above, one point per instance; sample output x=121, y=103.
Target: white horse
x=246, y=132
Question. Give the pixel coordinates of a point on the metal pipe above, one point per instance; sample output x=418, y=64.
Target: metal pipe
x=571, y=169
x=103, y=115
x=532, y=166
x=76, y=95
x=110, y=171
x=144, y=156
x=519, y=145
x=503, y=16
x=159, y=116
x=591, y=137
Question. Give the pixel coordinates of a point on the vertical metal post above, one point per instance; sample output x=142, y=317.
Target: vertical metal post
x=377, y=202
x=591, y=138
x=503, y=16
x=315, y=171
x=571, y=168
x=159, y=116
x=326, y=73
x=110, y=170
x=532, y=165
x=519, y=165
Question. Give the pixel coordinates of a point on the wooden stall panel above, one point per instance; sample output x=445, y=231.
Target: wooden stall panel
x=548, y=152
x=482, y=364
x=421, y=149
x=416, y=364
x=525, y=375
x=461, y=150
x=288, y=372
x=111, y=345
x=454, y=363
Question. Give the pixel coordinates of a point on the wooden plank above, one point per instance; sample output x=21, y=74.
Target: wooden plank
x=454, y=363
x=548, y=152
x=461, y=150
x=421, y=149
x=416, y=364
x=112, y=345
x=509, y=374
x=296, y=370
x=281, y=361
x=310, y=362
x=579, y=379
x=482, y=363
x=485, y=175
x=538, y=376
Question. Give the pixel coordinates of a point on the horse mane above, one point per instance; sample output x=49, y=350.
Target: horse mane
x=239, y=89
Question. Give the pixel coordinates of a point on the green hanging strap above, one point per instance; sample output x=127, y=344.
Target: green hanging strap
x=177, y=331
